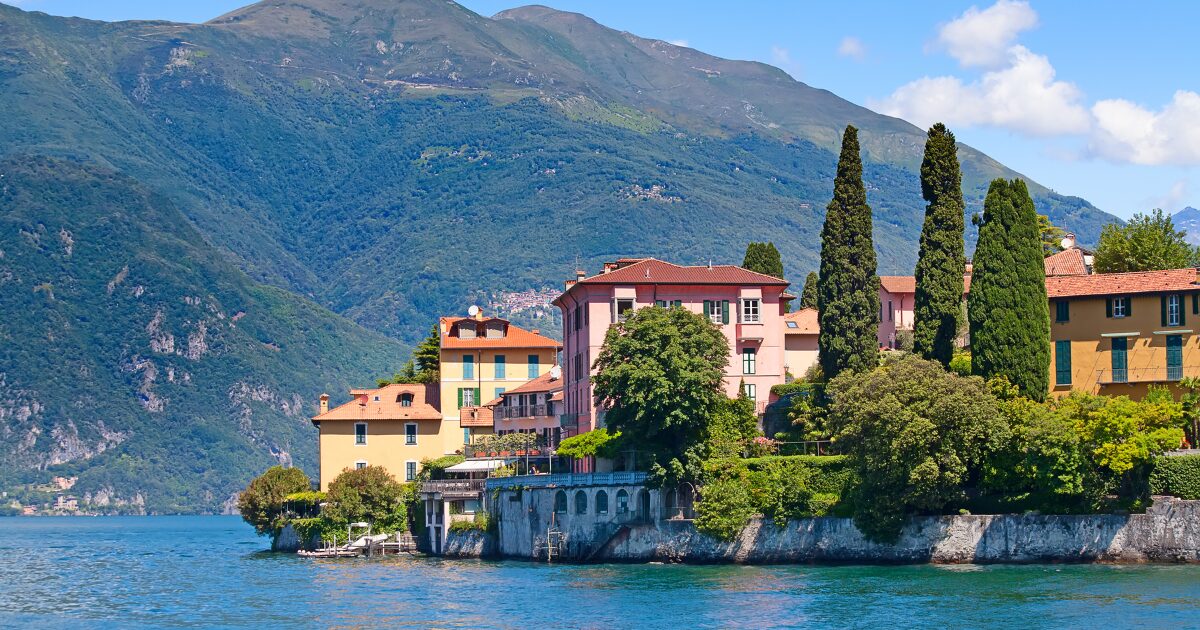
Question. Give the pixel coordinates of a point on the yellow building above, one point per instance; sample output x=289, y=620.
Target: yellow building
x=481, y=358
x=395, y=426
x=1117, y=334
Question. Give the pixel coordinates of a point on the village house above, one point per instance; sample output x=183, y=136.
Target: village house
x=395, y=426
x=532, y=408
x=800, y=341
x=1118, y=333
x=481, y=358
x=748, y=306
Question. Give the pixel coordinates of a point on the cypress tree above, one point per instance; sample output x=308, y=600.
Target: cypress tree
x=763, y=258
x=847, y=287
x=940, y=267
x=1009, y=313
x=753, y=258
x=808, y=297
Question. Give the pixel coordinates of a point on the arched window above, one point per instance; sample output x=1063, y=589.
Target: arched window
x=580, y=502
x=405, y=399
x=602, y=502
x=560, y=502
x=622, y=502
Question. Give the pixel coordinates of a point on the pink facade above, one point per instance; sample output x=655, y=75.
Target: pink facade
x=895, y=307
x=748, y=306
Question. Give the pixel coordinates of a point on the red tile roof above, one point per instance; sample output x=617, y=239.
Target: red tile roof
x=547, y=382
x=1068, y=262
x=516, y=337
x=806, y=322
x=654, y=271
x=1101, y=284
x=898, y=284
x=425, y=404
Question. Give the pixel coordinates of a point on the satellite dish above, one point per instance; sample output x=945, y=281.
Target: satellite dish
x=473, y=311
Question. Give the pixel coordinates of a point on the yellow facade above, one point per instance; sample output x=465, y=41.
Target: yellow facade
x=1094, y=334
x=386, y=445
x=483, y=380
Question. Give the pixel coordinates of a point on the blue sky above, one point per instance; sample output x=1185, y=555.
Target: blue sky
x=1100, y=100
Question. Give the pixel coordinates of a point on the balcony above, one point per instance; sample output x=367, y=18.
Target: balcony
x=455, y=488
x=569, y=421
x=568, y=480
x=1148, y=375
x=522, y=411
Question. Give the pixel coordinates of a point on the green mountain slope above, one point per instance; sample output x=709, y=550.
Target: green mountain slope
x=138, y=359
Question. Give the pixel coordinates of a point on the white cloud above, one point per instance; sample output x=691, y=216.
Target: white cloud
x=1024, y=96
x=983, y=38
x=683, y=43
x=853, y=48
x=1128, y=132
x=1173, y=200
x=782, y=58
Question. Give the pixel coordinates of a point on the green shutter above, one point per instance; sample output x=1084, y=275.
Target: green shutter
x=1162, y=301
x=725, y=312
x=707, y=308
x=1062, y=362
x=1195, y=304
x=460, y=390
x=660, y=303
x=678, y=303
x=478, y=399
x=1108, y=307
x=1182, y=315
x=1128, y=306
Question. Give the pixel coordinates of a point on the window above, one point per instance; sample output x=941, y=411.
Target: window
x=360, y=464
x=748, y=360
x=623, y=309
x=1119, y=307
x=1174, y=310
x=1120, y=347
x=410, y=433
x=501, y=363
x=468, y=366
x=405, y=399
x=751, y=311
x=622, y=502
x=1062, y=362
x=468, y=397
x=533, y=366
x=602, y=502
x=410, y=471
x=360, y=433
x=580, y=502
x=751, y=391
x=1062, y=311
x=466, y=435
x=891, y=313
x=377, y=398
x=1174, y=357
x=497, y=392
x=560, y=502
x=793, y=325
x=578, y=366
x=578, y=318
x=716, y=310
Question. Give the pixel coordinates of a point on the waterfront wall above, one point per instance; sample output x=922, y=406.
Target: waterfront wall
x=1168, y=532
x=469, y=544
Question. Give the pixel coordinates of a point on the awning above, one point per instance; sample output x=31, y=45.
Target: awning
x=477, y=465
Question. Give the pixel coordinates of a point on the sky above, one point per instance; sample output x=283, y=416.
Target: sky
x=1099, y=99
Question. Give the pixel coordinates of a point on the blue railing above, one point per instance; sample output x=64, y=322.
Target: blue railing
x=568, y=479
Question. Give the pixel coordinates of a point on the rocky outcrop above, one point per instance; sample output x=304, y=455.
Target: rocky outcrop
x=470, y=543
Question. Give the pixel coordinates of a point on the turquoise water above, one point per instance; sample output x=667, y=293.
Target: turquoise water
x=210, y=571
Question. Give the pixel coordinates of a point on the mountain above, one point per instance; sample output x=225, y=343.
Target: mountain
x=1188, y=220
x=393, y=160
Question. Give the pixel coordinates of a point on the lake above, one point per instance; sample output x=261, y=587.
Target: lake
x=212, y=571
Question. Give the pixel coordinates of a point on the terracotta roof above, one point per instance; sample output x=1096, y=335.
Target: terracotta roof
x=1068, y=262
x=898, y=284
x=654, y=271
x=806, y=322
x=547, y=382
x=1101, y=284
x=516, y=337
x=425, y=404
x=476, y=416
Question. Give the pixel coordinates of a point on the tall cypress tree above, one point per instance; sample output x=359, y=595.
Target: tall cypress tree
x=808, y=297
x=753, y=257
x=847, y=288
x=1009, y=313
x=938, y=302
x=763, y=258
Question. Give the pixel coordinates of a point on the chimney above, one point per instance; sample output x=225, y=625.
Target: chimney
x=536, y=331
x=324, y=406
x=580, y=274
x=1068, y=241
x=569, y=283
x=610, y=266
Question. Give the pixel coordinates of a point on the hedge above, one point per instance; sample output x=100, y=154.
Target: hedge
x=1176, y=476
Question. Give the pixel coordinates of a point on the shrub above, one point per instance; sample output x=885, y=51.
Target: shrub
x=436, y=468
x=1176, y=476
x=369, y=494
x=960, y=364
x=723, y=509
x=261, y=503
x=481, y=523
x=590, y=444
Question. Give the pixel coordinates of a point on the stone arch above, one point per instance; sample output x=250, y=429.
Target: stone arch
x=581, y=502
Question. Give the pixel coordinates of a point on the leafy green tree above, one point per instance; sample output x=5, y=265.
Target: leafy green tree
x=659, y=378
x=915, y=435
x=1146, y=243
x=763, y=258
x=261, y=503
x=941, y=263
x=808, y=297
x=847, y=287
x=598, y=442
x=1052, y=235
x=1009, y=312
x=369, y=494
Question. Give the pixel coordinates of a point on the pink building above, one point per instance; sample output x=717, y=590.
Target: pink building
x=896, y=295
x=748, y=306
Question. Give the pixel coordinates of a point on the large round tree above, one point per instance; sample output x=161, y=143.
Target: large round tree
x=847, y=287
x=659, y=378
x=938, y=301
x=1009, y=313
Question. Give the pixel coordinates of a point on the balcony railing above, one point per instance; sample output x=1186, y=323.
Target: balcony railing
x=568, y=479
x=455, y=487
x=523, y=411
x=568, y=420
x=1147, y=375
